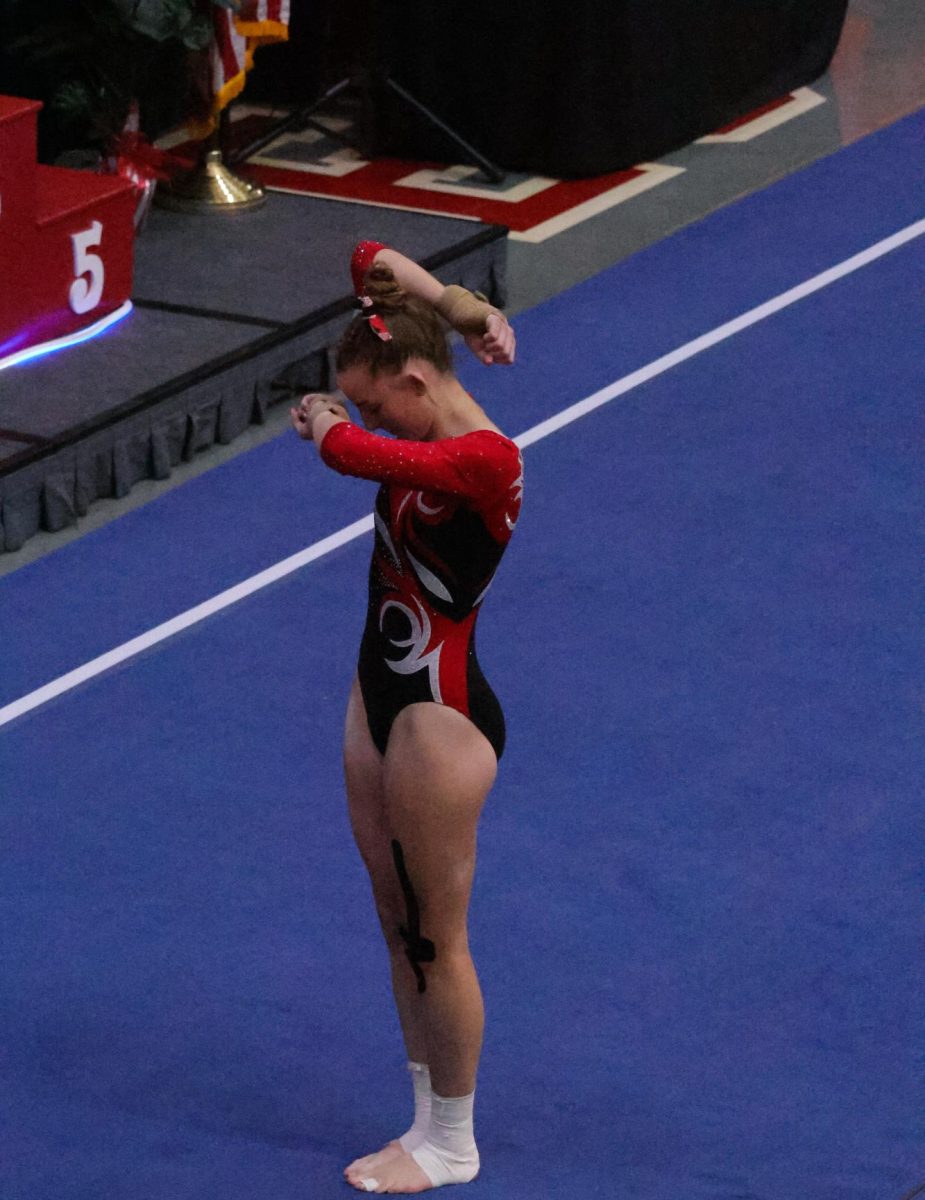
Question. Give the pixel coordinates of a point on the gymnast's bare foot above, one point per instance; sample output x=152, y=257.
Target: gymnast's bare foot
x=399, y=1175
x=367, y=1165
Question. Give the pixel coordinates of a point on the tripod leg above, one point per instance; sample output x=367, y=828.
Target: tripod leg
x=495, y=174
x=294, y=121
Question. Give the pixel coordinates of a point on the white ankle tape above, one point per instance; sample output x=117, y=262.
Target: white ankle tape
x=449, y=1153
x=420, y=1077
x=441, y=1168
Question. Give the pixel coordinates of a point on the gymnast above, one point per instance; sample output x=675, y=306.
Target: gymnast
x=424, y=730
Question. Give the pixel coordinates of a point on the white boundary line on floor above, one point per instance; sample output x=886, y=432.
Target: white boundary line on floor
x=255, y=583
x=425, y=212
x=653, y=175
x=803, y=100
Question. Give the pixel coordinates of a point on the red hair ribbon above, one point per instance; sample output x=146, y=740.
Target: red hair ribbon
x=375, y=322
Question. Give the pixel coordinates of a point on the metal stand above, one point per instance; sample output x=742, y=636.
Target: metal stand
x=211, y=186
x=365, y=82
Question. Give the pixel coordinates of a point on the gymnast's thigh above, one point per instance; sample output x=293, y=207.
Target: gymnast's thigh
x=364, y=778
x=439, y=769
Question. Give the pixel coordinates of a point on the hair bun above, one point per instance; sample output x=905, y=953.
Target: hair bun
x=384, y=289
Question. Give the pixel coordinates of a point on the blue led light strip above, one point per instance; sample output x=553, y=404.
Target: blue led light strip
x=72, y=339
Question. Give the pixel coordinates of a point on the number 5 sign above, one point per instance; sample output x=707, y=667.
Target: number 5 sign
x=90, y=275
x=66, y=239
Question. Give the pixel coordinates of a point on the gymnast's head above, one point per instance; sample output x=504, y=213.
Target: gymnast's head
x=394, y=362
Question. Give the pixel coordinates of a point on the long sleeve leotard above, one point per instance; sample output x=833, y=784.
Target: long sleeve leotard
x=443, y=518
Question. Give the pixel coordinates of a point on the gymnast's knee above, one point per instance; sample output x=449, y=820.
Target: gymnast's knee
x=391, y=919
x=419, y=948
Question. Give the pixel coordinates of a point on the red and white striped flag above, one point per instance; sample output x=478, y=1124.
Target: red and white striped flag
x=237, y=36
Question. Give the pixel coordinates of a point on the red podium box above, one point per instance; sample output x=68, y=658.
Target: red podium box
x=66, y=240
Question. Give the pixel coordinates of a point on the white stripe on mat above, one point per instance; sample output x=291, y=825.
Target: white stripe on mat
x=255, y=583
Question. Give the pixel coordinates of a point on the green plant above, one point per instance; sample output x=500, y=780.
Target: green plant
x=89, y=60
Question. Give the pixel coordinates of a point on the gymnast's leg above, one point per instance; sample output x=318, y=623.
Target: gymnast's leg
x=438, y=771
x=363, y=771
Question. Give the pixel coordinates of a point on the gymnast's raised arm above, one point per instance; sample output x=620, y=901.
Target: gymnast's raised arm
x=484, y=328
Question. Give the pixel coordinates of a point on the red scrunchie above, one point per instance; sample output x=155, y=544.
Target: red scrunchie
x=363, y=258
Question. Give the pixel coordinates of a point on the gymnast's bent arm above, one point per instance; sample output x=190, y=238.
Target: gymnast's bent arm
x=474, y=468
x=484, y=328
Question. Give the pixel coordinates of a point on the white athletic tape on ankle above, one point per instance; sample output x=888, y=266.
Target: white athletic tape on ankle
x=412, y=1138
x=442, y=1166
x=449, y=1155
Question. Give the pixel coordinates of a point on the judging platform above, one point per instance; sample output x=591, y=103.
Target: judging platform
x=233, y=313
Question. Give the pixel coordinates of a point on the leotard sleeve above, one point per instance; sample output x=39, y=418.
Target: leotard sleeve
x=363, y=258
x=476, y=466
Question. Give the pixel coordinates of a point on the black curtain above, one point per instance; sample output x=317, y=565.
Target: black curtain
x=323, y=47
x=575, y=89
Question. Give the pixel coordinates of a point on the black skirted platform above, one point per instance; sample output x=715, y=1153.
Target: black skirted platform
x=233, y=313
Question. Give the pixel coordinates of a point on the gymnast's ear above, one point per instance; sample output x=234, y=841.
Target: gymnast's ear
x=413, y=378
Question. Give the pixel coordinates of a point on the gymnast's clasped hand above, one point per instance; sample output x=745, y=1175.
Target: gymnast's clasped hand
x=497, y=344
x=310, y=408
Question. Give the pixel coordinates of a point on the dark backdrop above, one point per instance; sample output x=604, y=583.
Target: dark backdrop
x=574, y=88
x=583, y=88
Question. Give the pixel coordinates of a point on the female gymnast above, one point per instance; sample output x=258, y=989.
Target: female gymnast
x=423, y=731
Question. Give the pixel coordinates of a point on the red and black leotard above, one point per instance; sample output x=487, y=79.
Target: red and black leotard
x=444, y=515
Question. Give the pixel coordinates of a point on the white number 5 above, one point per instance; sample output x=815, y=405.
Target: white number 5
x=85, y=294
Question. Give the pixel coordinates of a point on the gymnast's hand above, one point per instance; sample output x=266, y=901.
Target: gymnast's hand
x=497, y=344
x=309, y=409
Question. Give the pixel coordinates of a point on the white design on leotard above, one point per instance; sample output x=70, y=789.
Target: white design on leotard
x=383, y=531
x=517, y=487
x=425, y=508
x=481, y=596
x=429, y=579
x=415, y=659
x=401, y=507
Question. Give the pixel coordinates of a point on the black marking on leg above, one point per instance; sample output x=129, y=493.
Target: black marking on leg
x=418, y=949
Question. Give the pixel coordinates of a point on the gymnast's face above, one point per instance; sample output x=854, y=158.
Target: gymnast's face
x=399, y=402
